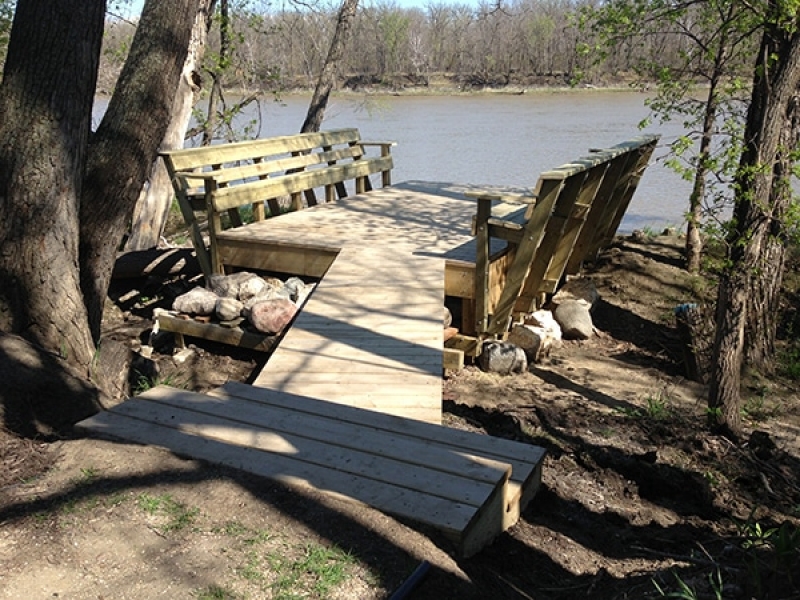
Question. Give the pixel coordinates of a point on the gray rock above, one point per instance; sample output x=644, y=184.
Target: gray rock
x=228, y=309
x=198, y=301
x=575, y=320
x=295, y=287
x=271, y=316
x=252, y=287
x=270, y=293
x=536, y=341
x=502, y=357
x=578, y=289
x=229, y=286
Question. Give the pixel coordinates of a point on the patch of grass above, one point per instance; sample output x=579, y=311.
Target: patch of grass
x=252, y=569
x=656, y=408
x=178, y=515
x=144, y=383
x=319, y=570
x=215, y=592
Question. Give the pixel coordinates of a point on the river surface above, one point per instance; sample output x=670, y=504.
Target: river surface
x=498, y=139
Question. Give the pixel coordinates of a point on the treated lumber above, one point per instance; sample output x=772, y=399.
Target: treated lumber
x=468, y=486
x=161, y=262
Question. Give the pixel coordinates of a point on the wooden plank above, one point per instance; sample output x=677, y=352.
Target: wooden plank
x=324, y=443
x=191, y=158
x=522, y=457
x=262, y=189
x=233, y=336
x=548, y=194
x=448, y=516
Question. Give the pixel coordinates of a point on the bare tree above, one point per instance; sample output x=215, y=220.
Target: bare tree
x=154, y=203
x=327, y=78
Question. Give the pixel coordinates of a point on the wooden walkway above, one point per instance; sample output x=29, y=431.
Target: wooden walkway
x=341, y=405
x=371, y=334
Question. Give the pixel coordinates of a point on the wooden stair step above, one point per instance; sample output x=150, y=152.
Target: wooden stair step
x=468, y=486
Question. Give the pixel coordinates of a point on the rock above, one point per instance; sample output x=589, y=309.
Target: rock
x=231, y=286
x=271, y=316
x=535, y=341
x=228, y=309
x=295, y=287
x=575, y=320
x=502, y=357
x=252, y=287
x=448, y=317
x=270, y=293
x=198, y=301
x=545, y=320
x=578, y=289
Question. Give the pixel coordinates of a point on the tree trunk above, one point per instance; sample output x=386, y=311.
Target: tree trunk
x=45, y=117
x=210, y=126
x=127, y=140
x=694, y=240
x=763, y=312
x=327, y=77
x=155, y=200
x=775, y=81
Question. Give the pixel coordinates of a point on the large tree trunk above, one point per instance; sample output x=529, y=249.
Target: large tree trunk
x=763, y=313
x=155, y=200
x=756, y=214
x=327, y=78
x=127, y=141
x=45, y=117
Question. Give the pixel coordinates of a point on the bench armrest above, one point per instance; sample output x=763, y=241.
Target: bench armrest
x=502, y=197
x=386, y=147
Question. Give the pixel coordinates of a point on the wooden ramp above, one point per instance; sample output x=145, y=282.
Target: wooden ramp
x=469, y=486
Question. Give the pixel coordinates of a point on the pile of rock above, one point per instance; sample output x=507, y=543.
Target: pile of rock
x=568, y=317
x=267, y=303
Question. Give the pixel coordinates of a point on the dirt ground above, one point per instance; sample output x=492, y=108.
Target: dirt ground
x=636, y=496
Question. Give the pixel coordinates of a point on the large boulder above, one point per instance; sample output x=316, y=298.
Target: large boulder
x=271, y=316
x=502, y=357
x=575, y=320
x=581, y=289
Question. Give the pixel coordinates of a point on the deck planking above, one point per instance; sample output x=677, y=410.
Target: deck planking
x=349, y=403
x=469, y=486
x=371, y=333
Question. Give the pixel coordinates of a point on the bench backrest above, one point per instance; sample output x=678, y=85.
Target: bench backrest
x=578, y=209
x=222, y=179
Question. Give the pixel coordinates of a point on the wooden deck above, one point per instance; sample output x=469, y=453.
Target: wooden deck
x=371, y=334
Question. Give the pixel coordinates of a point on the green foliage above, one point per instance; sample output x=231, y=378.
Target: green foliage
x=325, y=567
x=178, y=516
x=686, y=592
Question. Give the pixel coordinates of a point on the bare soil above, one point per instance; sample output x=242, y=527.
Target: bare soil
x=636, y=494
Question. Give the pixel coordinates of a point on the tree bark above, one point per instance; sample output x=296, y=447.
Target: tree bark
x=327, y=77
x=756, y=213
x=45, y=117
x=763, y=312
x=155, y=200
x=127, y=140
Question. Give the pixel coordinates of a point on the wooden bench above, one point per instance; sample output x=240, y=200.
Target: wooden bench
x=574, y=212
x=231, y=183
